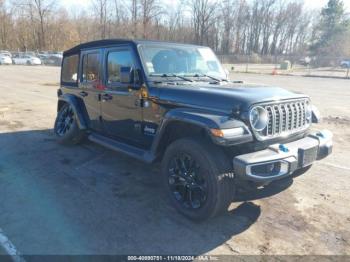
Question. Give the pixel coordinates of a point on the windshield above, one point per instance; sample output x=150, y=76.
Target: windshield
x=167, y=59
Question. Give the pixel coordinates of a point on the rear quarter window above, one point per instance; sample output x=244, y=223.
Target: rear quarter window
x=70, y=69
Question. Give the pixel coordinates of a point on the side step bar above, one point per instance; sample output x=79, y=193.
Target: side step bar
x=135, y=152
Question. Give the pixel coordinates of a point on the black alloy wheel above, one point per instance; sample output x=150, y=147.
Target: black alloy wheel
x=187, y=184
x=64, y=121
x=198, y=178
x=66, y=127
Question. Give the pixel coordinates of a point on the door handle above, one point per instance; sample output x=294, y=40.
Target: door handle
x=106, y=97
x=83, y=94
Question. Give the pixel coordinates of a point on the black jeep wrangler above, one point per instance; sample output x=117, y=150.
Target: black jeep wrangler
x=174, y=103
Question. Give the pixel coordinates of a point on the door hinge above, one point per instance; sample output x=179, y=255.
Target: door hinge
x=138, y=102
x=141, y=103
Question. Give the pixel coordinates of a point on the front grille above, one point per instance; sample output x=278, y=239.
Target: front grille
x=285, y=118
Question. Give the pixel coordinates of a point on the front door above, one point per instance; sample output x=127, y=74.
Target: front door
x=89, y=86
x=120, y=104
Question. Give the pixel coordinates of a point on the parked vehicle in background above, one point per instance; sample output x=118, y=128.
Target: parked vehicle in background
x=5, y=60
x=14, y=54
x=58, y=54
x=30, y=53
x=53, y=60
x=305, y=61
x=26, y=60
x=5, y=53
x=345, y=63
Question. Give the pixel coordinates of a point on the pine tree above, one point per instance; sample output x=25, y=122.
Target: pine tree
x=332, y=28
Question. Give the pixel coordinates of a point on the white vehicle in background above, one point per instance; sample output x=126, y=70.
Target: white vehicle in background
x=5, y=60
x=345, y=64
x=26, y=60
x=5, y=53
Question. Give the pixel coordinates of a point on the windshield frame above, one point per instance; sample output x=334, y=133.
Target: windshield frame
x=171, y=46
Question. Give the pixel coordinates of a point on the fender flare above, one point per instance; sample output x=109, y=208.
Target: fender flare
x=78, y=108
x=202, y=119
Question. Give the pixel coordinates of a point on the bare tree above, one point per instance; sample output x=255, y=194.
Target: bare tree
x=5, y=26
x=100, y=8
x=43, y=9
x=263, y=28
x=228, y=17
x=150, y=9
x=134, y=16
x=203, y=17
x=267, y=15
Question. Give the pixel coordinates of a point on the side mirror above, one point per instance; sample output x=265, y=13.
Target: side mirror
x=126, y=74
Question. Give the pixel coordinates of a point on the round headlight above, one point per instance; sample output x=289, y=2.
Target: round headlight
x=258, y=118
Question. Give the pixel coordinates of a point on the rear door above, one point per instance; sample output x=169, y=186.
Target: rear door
x=90, y=85
x=120, y=106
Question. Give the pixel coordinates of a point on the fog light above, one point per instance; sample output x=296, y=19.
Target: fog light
x=270, y=167
x=273, y=169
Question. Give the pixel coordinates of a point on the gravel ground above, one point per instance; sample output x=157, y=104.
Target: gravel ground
x=89, y=200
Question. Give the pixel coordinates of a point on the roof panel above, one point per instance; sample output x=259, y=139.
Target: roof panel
x=106, y=42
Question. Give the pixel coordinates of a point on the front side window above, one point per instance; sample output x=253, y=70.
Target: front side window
x=91, y=67
x=70, y=69
x=116, y=60
x=182, y=60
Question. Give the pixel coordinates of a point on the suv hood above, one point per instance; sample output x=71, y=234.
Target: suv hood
x=224, y=97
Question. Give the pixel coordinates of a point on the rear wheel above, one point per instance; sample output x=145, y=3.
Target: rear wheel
x=198, y=178
x=66, y=127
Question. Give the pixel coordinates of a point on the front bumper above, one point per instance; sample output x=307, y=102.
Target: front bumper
x=281, y=160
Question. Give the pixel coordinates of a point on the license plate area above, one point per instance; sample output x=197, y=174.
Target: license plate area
x=307, y=156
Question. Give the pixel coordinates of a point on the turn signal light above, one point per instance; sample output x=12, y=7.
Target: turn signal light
x=217, y=132
x=228, y=133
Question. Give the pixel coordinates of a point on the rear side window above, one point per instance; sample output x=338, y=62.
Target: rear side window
x=70, y=69
x=91, y=67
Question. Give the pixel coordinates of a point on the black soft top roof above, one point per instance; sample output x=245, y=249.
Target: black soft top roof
x=106, y=42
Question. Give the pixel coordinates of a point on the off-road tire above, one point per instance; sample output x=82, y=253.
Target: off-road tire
x=74, y=135
x=218, y=174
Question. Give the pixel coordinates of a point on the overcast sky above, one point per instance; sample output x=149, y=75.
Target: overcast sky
x=312, y=4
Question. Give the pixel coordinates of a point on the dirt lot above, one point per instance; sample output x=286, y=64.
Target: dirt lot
x=89, y=200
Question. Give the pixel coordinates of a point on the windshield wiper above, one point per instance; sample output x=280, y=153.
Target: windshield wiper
x=211, y=77
x=172, y=75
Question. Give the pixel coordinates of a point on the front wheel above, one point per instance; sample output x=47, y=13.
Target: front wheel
x=66, y=127
x=198, y=178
